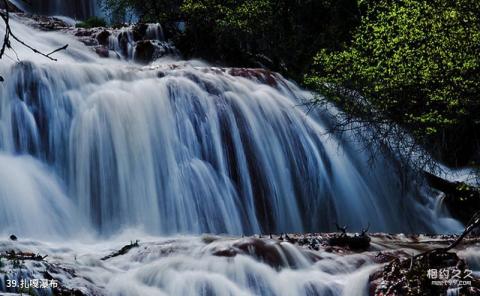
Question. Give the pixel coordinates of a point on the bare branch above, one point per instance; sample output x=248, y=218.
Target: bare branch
x=365, y=230
x=5, y=16
x=343, y=229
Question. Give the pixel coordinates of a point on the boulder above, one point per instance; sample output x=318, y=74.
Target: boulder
x=144, y=52
x=139, y=32
x=103, y=37
x=123, y=42
x=102, y=51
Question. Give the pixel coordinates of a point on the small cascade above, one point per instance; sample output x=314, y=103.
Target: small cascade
x=141, y=43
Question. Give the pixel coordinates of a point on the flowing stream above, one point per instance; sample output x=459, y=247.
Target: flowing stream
x=91, y=147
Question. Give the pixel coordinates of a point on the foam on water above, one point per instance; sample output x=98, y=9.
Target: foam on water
x=186, y=266
x=96, y=146
x=177, y=148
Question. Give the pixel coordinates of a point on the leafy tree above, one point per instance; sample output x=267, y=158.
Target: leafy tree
x=92, y=22
x=146, y=10
x=415, y=63
x=282, y=35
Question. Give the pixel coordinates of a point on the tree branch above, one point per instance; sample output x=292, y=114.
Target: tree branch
x=5, y=16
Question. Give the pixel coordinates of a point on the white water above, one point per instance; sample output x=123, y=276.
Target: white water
x=79, y=9
x=189, y=149
x=122, y=43
x=186, y=266
x=98, y=145
x=23, y=206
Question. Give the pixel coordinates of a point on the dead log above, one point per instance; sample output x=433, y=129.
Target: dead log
x=122, y=251
x=353, y=242
x=22, y=256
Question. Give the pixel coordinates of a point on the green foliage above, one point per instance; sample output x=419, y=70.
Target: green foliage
x=146, y=10
x=92, y=22
x=231, y=16
x=410, y=62
x=225, y=30
x=415, y=63
x=282, y=35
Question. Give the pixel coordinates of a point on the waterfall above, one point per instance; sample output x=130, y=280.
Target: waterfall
x=183, y=147
x=95, y=152
x=28, y=190
x=79, y=9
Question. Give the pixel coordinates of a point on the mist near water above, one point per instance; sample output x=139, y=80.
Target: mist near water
x=186, y=149
x=92, y=148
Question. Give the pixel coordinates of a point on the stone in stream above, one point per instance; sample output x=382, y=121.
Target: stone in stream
x=103, y=37
x=144, y=52
x=102, y=51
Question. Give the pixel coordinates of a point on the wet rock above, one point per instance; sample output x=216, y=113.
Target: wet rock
x=144, y=52
x=262, y=75
x=142, y=43
x=360, y=242
x=46, y=23
x=225, y=253
x=262, y=250
x=103, y=37
x=88, y=41
x=22, y=256
x=407, y=275
x=461, y=199
x=83, y=32
x=268, y=251
x=139, y=32
x=123, y=42
x=102, y=51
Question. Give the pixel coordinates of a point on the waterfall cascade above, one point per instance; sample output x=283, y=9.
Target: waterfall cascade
x=185, y=148
x=141, y=43
x=92, y=147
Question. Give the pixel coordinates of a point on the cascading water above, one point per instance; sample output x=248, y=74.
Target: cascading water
x=79, y=9
x=187, y=149
x=98, y=145
x=141, y=43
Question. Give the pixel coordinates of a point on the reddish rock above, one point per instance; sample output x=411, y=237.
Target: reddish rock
x=102, y=51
